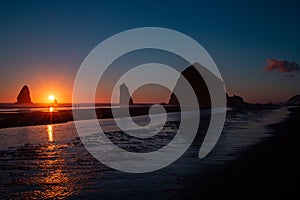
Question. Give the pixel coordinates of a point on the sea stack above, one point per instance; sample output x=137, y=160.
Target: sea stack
x=198, y=84
x=125, y=98
x=24, y=96
x=195, y=79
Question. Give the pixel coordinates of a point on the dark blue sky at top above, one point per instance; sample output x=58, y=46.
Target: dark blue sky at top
x=55, y=36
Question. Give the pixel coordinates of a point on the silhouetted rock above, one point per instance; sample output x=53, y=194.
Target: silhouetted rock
x=235, y=101
x=198, y=84
x=24, y=96
x=295, y=100
x=55, y=103
x=125, y=98
x=192, y=75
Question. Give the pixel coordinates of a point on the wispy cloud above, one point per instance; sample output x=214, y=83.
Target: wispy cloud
x=282, y=66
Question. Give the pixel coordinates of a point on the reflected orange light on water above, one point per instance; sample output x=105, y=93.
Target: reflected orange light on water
x=51, y=109
x=50, y=133
x=54, y=178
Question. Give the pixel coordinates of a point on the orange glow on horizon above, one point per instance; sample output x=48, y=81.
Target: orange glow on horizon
x=41, y=95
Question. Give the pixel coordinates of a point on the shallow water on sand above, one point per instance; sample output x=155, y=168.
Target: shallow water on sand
x=49, y=161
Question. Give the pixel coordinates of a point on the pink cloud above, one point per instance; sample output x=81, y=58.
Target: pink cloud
x=281, y=66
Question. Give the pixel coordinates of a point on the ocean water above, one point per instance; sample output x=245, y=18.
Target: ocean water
x=49, y=161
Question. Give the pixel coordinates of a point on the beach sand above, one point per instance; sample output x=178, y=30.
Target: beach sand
x=269, y=169
x=61, y=116
x=266, y=168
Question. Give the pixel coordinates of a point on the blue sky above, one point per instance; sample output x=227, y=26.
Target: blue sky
x=44, y=42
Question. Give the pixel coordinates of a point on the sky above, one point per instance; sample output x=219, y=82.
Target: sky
x=255, y=44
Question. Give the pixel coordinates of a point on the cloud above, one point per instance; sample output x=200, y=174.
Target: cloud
x=282, y=66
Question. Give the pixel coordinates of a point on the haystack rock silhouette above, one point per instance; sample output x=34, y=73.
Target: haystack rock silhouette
x=192, y=75
x=125, y=98
x=198, y=84
x=295, y=100
x=24, y=96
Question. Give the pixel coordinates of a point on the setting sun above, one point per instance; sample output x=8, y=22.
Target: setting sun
x=51, y=97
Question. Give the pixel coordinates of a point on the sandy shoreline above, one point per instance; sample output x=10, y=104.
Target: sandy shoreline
x=266, y=170
x=62, y=116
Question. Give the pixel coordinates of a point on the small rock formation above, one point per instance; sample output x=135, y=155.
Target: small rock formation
x=24, y=96
x=125, y=98
x=235, y=101
x=55, y=103
x=295, y=100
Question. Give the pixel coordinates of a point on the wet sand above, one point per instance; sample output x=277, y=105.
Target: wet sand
x=269, y=169
x=63, y=168
x=62, y=116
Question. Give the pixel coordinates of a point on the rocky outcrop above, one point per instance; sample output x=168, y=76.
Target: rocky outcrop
x=235, y=101
x=125, y=98
x=198, y=84
x=295, y=100
x=24, y=96
x=200, y=88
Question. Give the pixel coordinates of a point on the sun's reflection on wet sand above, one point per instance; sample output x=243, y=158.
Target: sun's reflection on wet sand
x=50, y=133
x=54, y=179
x=52, y=167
